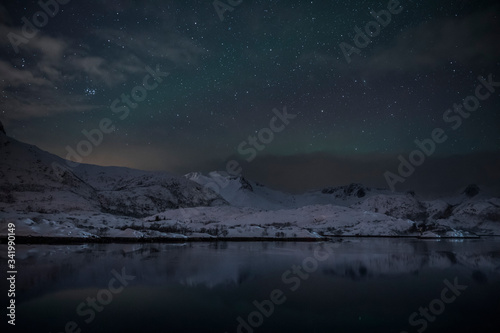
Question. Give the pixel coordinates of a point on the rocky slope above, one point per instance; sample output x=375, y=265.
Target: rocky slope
x=32, y=180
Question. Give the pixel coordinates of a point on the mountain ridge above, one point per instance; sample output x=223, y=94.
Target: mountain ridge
x=26, y=169
x=95, y=202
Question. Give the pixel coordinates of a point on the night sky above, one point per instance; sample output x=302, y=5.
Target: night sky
x=351, y=119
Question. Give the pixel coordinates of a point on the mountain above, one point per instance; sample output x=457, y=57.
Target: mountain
x=130, y=192
x=29, y=183
x=33, y=180
x=471, y=210
x=45, y=197
x=241, y=192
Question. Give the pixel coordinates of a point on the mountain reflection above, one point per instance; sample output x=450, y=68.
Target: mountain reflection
x=51, y=267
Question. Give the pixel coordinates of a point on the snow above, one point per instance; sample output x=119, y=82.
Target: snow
x=94, y=202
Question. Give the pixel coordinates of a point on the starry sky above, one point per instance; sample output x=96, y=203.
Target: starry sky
x=220, y=71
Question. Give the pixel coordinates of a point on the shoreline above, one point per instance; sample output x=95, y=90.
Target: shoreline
x=128, y=240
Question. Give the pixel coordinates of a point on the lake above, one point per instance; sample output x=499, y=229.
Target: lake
x=348, y=285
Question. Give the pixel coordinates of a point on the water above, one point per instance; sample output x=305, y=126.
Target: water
x=360, y=285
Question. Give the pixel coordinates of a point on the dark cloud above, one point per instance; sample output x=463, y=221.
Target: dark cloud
x=466, y=40
x=438, y=175
x=5, y=18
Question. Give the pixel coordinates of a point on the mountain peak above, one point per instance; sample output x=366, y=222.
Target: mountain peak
x=472, y=190
x=350, y=190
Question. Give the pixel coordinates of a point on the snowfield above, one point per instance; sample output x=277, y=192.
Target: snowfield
x=95, y=203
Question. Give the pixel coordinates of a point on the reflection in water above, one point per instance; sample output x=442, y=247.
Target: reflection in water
x=365, y=285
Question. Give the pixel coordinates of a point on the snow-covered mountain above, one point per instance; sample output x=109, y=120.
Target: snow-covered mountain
x=130, y=192
x=90, y=201
x=240, y=192
x=33, y=180
x=471, y=209
x=29, y=183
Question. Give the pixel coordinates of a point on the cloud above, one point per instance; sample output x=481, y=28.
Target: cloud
x=52, y=49
x=438, y=175
x=110, y=73
x=468, y=41
x=178, y=49
x=46, y=66
x=49, y=47
x=13, y=77
x=96, y=68
x=32, y=91
x=27, y=104
x=54, y=56
x=465, y=41
x=45, y=50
